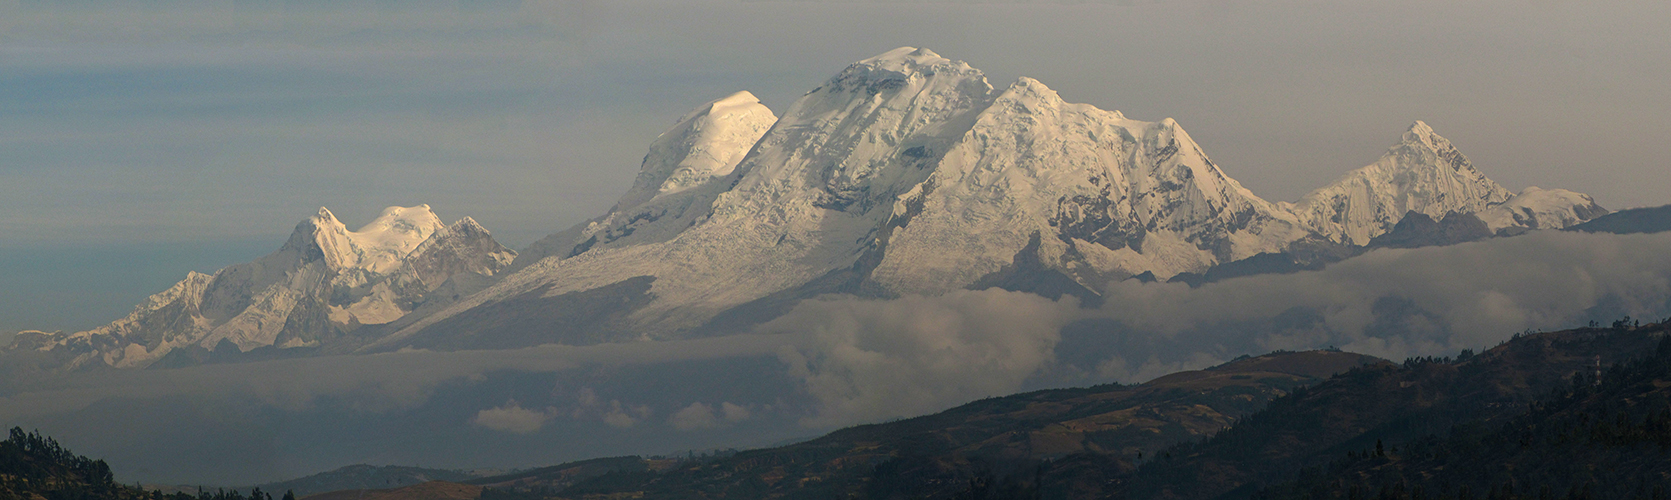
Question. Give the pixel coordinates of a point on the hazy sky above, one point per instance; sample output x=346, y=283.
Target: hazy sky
x=137, y=143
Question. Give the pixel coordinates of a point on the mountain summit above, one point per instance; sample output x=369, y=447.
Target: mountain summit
x=1423, y=173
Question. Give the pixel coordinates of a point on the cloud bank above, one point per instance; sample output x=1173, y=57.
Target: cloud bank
x=866, y=360
x=513, y=418
x=374, y=383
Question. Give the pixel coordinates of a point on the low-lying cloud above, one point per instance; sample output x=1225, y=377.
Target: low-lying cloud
x=1401, y=303
x=700, y=415
x=613, y=412
x=373, y=383
x=513, y=418
x=867, y=360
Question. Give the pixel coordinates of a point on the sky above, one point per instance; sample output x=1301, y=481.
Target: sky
x=139, y=141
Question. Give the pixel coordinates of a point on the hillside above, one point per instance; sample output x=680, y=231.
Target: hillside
x=1210, y=433
x=432, y=490
x=33, y=466
x=36, y=467
x=366, y=477
x=1602, y=437
x=937, y=455
x=1386, y=403
x=1583, y=413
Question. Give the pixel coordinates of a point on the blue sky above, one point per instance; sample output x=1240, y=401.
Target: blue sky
x=138, y=143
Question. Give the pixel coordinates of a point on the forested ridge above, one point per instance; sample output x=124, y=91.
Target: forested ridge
x=36, y=467
x=1576, y=414
x=1599, y=438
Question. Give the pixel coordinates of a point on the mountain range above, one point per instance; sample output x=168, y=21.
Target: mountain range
x=906, y=173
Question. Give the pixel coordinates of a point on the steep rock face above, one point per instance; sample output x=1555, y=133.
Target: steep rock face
x=1422, y=173
x=324, y=281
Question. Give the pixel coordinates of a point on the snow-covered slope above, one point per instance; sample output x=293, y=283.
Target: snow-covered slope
x=325, y=280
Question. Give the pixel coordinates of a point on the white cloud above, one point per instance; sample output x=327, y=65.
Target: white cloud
x=512, y=417
x=695, y=416
x=614, y=413
x=701, y=415
x=1401, y=303
x=625, y=416
x=734, y=413
x=870, y=360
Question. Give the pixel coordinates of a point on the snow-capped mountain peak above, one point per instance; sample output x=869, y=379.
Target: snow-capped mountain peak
x=704, y=144
x=325, y=280
x=686, y=168
x=376, y=247
x=1423, y=172
x=384, y=241
x=902, y=62
x=842, y=141
x=1420, y=133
